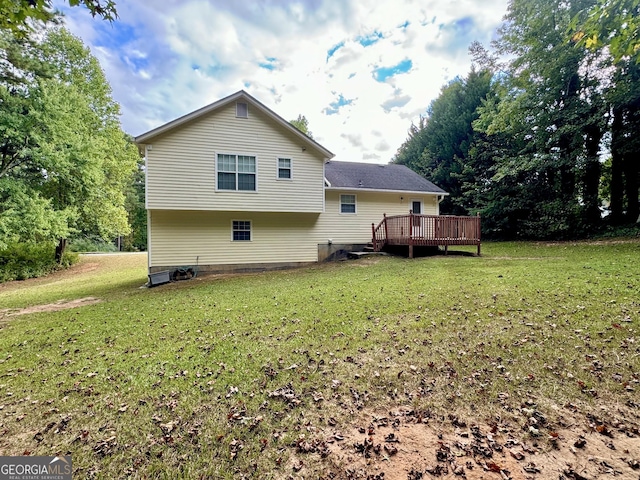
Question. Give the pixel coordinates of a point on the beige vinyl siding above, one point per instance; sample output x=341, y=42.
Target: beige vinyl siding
x=370, y=207
x=182, y=238
x=181, y=166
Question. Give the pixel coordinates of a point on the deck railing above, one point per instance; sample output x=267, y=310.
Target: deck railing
x=426, y=230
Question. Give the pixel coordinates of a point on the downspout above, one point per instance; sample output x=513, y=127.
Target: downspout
x=440, y=199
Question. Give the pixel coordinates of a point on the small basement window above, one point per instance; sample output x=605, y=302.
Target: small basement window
x=242, y=110
x=284, y=169
x=241, y=230
x=347, y=204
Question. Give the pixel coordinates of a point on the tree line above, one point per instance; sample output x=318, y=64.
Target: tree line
x=545, y=143
x=67, y=170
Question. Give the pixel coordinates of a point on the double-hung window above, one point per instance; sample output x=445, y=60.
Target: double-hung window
x=347, y=204
x=284, y=169
x=241, y=230
x=236, y=172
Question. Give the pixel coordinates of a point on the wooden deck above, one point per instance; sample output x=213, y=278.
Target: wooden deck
x=426, y=231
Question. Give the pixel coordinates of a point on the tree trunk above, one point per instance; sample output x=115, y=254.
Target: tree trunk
x=631, y=186
x=592, y=172
x=616, y=204
x=62, y=245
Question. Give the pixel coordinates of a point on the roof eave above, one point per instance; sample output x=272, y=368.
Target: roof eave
x=415, y=192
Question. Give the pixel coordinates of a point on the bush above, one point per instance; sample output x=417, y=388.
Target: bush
x=91, y=244
x=618, y=231
x=19, y=261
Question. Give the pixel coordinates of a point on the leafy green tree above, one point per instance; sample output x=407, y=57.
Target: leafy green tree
x=614, y=24
x=550, y=100
x=18, y=16
x=624, y=97
x=63, y=145
x=136, y=211
x=302, y=124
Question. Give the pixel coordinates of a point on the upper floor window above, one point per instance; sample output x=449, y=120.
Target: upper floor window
x=236, y=172
x=242, y=110
x=347, y=204
x=284, y=168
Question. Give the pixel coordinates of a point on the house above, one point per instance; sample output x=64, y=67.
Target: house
x=235, y=187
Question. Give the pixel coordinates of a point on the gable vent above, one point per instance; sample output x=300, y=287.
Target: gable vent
x=242, y=110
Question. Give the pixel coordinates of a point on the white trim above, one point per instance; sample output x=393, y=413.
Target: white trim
x=355, y=204
x=284, y=157
x=250, y=231
x=224, y=190
x=148, y=240
x=146, y=176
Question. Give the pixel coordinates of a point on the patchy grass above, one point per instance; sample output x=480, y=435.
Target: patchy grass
x=104, y=275
x=251, y=375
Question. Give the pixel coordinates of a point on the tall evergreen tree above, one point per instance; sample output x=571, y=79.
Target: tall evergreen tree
x=438, y=148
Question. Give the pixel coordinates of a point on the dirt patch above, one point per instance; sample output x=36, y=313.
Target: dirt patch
x=403, y=444
x=49, y=307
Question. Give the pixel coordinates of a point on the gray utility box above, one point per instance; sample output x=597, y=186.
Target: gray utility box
x=159, y=278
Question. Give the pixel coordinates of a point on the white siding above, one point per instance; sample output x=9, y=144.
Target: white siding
x=183, y=238
x=370, y=207
x=181, y=173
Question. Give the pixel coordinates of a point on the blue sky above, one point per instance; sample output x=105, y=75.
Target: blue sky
x=360, y=70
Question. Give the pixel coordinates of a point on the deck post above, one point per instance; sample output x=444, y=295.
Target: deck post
x=410, y=233
x=386, y=232
x=478, y=230
x=373, y=237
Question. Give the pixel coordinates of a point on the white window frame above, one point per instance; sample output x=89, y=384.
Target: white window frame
x=278, y=177
x=239, y=111
x=234, y=230
x=355, y=203
x=236, y=190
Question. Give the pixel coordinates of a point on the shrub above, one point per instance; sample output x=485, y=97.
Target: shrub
x=19, y=261
x=91, y=244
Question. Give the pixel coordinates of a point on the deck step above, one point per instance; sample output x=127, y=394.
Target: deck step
x=355, y=255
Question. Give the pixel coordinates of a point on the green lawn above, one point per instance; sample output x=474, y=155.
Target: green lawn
x=220, y=376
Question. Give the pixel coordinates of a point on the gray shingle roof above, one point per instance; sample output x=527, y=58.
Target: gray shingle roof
x=368, y=176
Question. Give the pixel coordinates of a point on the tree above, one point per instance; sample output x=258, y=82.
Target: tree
x=17, y=16
x=614, y=24
x=611, y=30
x=550, y=100
x=438, y=148
x=136, y=211
x=302, y=124
x=62, y=146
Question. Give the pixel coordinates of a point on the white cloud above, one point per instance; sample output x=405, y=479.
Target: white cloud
x=165, y=59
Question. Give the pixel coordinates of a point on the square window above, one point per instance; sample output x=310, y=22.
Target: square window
x=242, y=110
x=236, y=172
x=284, y=168
x=347, y=204
x=226, y=181
x=241, y=230
x=246, y=182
